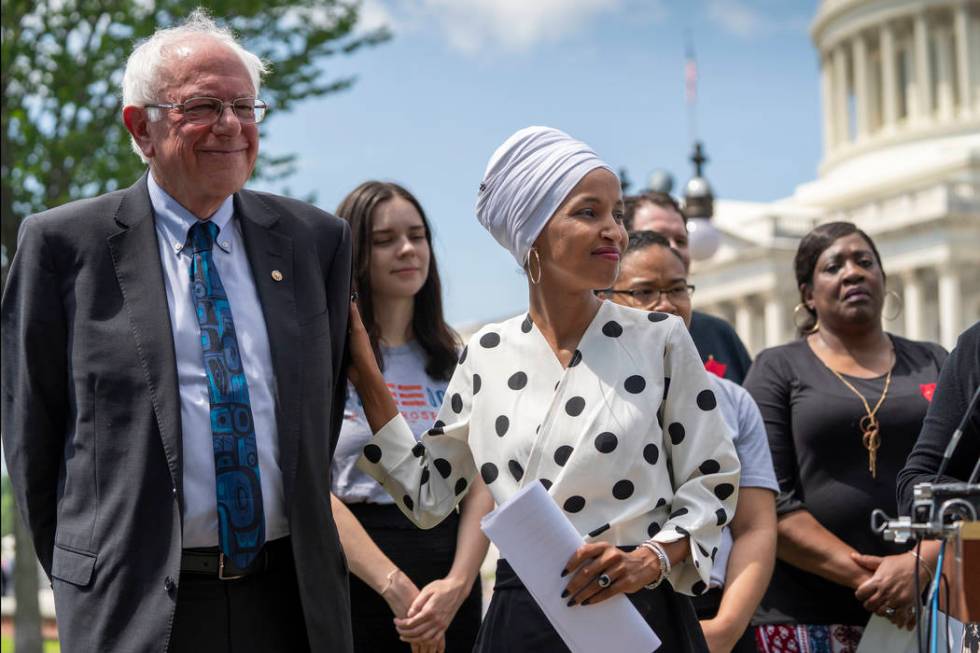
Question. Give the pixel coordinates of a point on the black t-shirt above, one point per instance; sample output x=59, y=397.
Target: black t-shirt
x=957, y=383
x=821, y=464
x=715, y=338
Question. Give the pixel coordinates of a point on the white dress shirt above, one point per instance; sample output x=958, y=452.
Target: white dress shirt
x=200, y=526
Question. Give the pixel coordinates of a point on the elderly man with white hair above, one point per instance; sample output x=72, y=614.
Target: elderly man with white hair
x=171, y=380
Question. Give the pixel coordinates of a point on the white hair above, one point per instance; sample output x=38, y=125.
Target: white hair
x=142, y=79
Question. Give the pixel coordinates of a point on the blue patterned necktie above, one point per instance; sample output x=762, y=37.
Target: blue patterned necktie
x=241, y=522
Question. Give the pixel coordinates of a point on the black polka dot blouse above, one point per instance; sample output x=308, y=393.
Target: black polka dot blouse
x=627, y=439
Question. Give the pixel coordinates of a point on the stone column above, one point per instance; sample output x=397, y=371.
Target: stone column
x=827, y=103
x=964, y=74
x=923, y=72
x=841, y=121
x=889, y=79
x=945, y=94
x=913, y=299
x=775, y=314
x=950, y=306
x=743, y=323
x=859, y=55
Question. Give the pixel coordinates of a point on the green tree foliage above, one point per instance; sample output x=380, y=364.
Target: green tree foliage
x=62, y=61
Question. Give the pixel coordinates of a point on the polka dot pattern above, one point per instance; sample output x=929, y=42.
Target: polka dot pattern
x=443, y=466
x=373, y=453
x=608, y=491
x=651, y=453
x=710, y=466
x=489, y=473
x=574, y=504
x=612, y=329
x=606, y=442
x=561, y=455
x=462, y=355
x=575, y=406
x=724, y=491
x=677, y=432
x=623, y=489
x=706, y=400
x=635, y=384
x=500, y=425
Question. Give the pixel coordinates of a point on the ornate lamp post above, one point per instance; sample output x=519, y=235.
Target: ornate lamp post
x=699, y=204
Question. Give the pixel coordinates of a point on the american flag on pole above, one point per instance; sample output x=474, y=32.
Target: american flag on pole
x=690, y=75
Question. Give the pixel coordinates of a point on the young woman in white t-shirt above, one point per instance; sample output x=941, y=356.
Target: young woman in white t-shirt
x=409, y=585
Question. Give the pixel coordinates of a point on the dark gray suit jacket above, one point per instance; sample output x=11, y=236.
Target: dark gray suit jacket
x=91, y=411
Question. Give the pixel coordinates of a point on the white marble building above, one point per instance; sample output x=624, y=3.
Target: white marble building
x=900, y=82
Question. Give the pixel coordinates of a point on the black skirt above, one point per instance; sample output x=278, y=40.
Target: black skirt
x=424, y=556
x=514, y=622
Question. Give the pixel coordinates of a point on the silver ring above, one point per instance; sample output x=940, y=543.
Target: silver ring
x=889, y=612
x=604, y=580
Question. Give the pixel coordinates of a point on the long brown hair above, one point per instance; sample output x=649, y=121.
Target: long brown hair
x=437, y=339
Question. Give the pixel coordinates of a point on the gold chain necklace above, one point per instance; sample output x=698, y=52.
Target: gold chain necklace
x=870, y=434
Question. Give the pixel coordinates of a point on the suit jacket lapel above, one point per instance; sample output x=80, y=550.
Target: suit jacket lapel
x=270, y=250
x=134, y=249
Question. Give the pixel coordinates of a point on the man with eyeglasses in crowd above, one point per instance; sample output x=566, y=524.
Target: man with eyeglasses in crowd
x=172, y=380
x=719, y=346
x=653, y=277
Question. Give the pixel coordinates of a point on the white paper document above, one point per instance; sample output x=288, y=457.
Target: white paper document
x=537, y=539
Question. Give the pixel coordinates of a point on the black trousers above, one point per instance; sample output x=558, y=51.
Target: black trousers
x=260, y=612
x=424, y=556
x=515, y=623
x=706, y=606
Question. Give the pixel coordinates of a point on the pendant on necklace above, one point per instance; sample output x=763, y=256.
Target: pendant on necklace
x=871, y=440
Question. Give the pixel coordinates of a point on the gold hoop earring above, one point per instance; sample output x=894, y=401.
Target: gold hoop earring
x=898, y=302
x=530, y=275
x=800, y=324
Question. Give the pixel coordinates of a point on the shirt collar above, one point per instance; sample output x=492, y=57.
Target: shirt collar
x=175, y=220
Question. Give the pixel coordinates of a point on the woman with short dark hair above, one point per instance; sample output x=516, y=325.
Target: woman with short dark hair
x=843, y=407
x=400, y=301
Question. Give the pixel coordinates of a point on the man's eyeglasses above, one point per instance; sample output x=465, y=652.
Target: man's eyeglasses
x=207, y=110
x=651, y=296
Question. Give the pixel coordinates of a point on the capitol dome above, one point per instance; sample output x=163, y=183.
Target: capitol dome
x=900, y=94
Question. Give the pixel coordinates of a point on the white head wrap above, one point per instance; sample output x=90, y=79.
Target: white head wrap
x=526, y=180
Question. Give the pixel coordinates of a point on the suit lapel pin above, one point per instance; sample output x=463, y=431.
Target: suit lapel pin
x=277, y=275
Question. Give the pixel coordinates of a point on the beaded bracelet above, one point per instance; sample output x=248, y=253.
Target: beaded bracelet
x=658, y=550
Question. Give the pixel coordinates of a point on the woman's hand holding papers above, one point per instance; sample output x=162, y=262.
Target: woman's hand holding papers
x=602, y=570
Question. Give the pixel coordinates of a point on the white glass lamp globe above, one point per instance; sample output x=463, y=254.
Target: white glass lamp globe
x=703, y=238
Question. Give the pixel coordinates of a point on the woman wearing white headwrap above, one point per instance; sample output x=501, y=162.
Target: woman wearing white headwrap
x=608, y=407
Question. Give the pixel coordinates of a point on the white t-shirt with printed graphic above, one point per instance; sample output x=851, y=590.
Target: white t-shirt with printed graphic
x=418, y=397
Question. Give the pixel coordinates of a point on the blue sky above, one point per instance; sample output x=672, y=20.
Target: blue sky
x=459, y=76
